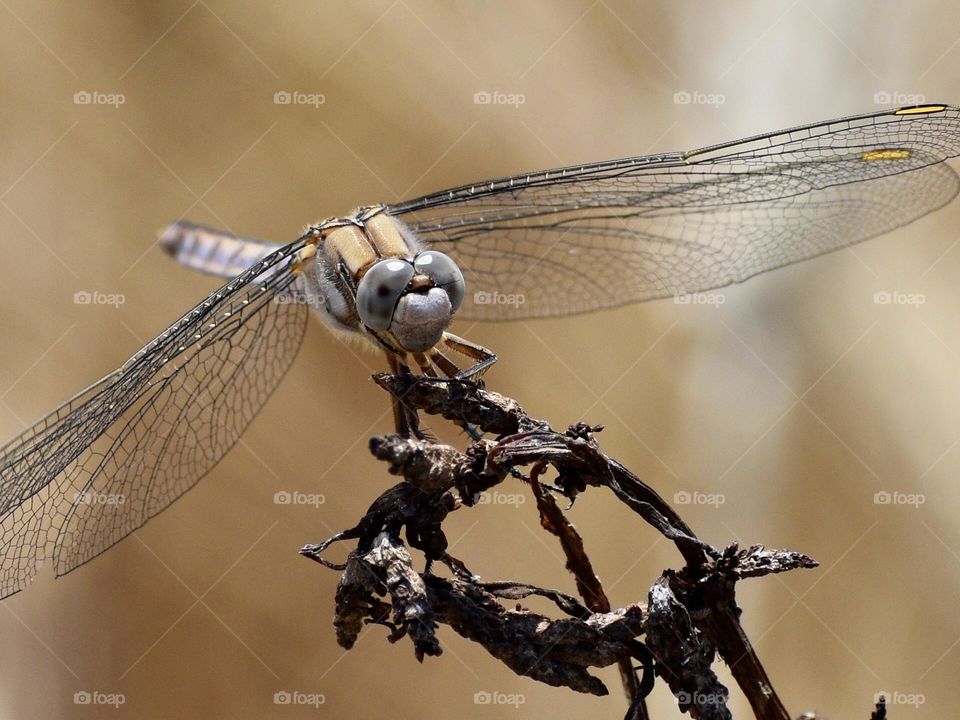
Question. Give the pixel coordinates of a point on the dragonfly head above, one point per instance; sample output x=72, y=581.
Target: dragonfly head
x=413, y=299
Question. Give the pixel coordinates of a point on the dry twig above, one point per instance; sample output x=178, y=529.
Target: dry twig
x=690, y=615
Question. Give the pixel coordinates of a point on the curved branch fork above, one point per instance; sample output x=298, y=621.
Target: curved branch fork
x=690, y=615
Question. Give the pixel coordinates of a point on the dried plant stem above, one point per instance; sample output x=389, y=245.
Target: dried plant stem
x=687, y=618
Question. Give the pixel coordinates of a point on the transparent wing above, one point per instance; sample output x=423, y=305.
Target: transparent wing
x=106, y=461
x=581, y=238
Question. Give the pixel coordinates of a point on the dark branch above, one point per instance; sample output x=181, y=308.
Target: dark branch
x=691, y=615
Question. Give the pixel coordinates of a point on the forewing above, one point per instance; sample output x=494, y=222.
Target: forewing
x=102, y=464
x=581, y=238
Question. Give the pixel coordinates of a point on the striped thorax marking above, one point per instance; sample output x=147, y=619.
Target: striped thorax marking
x=364, y=238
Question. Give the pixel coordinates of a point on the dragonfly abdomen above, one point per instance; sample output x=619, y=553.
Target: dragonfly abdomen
x=214, y=252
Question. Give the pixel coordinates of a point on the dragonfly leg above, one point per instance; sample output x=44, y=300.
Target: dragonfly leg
x=404, y=419
x=450, y=369
x=483, y=358
x=424, y=363
x=445, y=364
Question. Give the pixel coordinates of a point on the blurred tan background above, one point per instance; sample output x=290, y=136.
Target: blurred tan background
x=797, y=399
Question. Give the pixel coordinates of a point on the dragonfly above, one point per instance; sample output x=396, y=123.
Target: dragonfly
x=542, y=244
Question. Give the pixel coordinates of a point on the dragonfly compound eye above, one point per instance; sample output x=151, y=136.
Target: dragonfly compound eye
x=444, y=273
x=380, y=289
